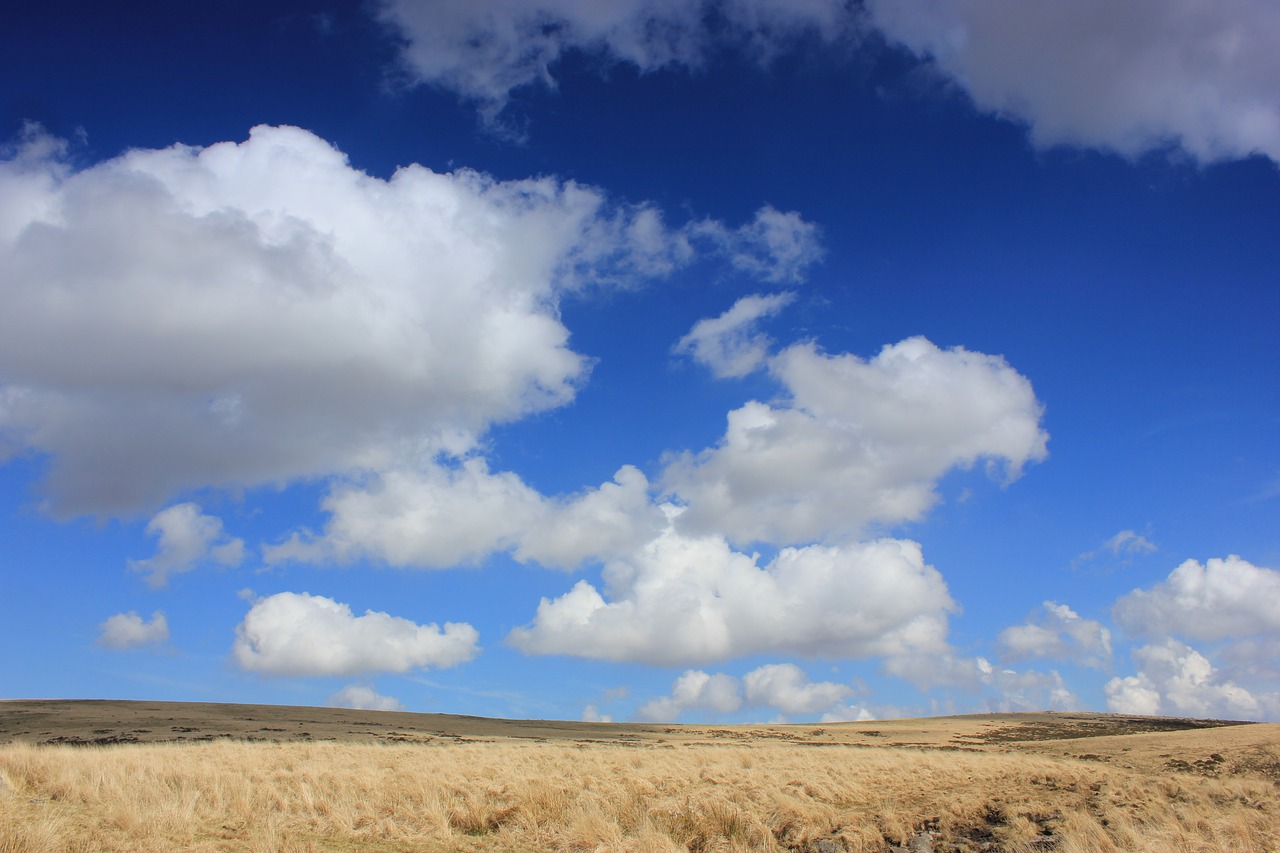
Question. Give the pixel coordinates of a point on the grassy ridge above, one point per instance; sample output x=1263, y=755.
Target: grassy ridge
x=971, y=783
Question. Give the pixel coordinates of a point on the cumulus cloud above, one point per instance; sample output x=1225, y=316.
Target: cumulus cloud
x=260, y=311
x=1025, y=690
x=1061, y=634
x=996, y=688
x=438, y=517
x=730, y=344
x=362, y=697
x=856, y=442
x=129, y=631
x=186, y=538
x=257, y=312
x=786, y=687
x=1131, y=77
x=301, y=634
x=610, y=521
x=484, y=50
x=1174, y=678
x=1222, y=598
x=1132, y=695
x=695, y=690
x=686, y=599
x=431, y=517
x=783, y=687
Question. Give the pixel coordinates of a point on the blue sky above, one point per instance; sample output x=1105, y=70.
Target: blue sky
x=731, y=361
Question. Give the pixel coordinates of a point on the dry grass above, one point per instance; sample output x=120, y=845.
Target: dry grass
x=526, y=795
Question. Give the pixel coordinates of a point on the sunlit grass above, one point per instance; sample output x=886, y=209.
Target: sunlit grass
x=585, y=797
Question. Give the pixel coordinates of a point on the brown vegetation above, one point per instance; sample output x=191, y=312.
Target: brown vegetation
x=1002, y=782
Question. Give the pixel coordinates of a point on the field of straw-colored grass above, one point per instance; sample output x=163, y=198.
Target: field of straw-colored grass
x=229, y=795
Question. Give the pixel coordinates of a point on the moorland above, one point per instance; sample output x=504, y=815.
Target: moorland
x=152, y=776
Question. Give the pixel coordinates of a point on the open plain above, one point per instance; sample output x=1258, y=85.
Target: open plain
x=107, y=775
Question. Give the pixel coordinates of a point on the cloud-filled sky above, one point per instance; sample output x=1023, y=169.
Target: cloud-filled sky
x=735, y=360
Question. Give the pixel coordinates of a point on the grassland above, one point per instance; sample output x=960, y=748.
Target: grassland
x=90, y=776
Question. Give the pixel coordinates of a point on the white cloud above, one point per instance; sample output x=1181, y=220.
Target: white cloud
x=301, y=634
x=187, y=537
x=439, y=517
x=1132, y=695
x=858, y=442
x=783, y=687
x=1222, y=598
x=1253, y=658
x=32, y=170
x=999, y=688
x=940, y=667
x=259, y=312
x=695, y=690
x=1174, y=678
x=591, y=714
x=847, y=714
x=433, y=517
x=686, y=599
x=1061, y=634
x=1129, y=76
x=129, y=631
x=485, y=49
x=607, y=522
x=729, y=344
x=1025, y=690
x=786, y=687
x=361, y=697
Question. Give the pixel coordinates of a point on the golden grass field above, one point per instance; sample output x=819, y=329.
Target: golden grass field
x=138, y=776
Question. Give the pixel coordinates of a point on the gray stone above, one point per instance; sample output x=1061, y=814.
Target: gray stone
x=922, y=843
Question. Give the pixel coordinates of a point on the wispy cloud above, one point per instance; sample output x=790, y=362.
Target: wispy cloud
x=1123, y=547
x=1199, y=76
